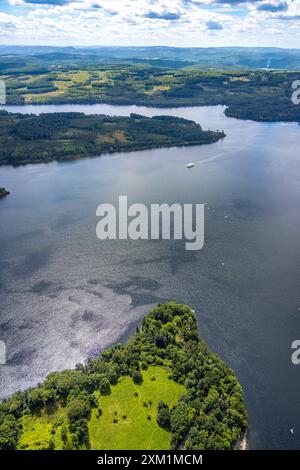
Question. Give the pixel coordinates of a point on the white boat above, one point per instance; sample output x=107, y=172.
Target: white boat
x=191, y=165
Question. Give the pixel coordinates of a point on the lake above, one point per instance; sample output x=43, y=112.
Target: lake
x=65, y=295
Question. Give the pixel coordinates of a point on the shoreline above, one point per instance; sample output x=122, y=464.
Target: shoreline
x=178, y=132
x=244, y=443
x=226, y=108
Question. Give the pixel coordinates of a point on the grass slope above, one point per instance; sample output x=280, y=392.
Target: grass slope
x=144, y=433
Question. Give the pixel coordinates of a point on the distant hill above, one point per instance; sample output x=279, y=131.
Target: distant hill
x=223, y=57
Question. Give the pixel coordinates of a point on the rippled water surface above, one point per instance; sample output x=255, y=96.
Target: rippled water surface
x=65, y=295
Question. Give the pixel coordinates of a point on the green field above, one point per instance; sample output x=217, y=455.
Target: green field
x=103, y=431
x=144, y=433
x=36, y=433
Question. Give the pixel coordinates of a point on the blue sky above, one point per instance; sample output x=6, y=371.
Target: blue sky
x=151, y=22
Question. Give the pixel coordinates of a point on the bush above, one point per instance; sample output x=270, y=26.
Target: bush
x=64, y=435
x=113, y=378
x=77, y=409
x=79, y=429
x=9, y=433
x=162, y=405
x=137, y=377
x=51, y=445
x=104, y=386
x=163, y=415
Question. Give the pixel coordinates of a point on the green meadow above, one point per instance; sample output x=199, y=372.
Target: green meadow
x=130, y=410
x=128, y=419
x=38, y=430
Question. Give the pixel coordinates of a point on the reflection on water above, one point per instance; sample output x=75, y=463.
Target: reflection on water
x=65, y=294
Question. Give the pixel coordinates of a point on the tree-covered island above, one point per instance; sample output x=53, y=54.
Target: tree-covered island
x=3, y=192
x=163, y=389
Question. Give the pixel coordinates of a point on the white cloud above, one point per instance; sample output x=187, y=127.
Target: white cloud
x=147, y=22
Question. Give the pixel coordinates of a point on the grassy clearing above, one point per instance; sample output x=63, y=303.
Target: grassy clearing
x=157, y=89
x=128, y=419
x=41, y=97
x=139, y=430
x=79, y=77
x=37, y=434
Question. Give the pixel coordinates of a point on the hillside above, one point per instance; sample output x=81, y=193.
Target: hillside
x=257, y=94
x=163, y=389
x=229, y=57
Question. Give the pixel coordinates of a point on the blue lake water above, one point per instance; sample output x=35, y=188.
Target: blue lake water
x=64, y=295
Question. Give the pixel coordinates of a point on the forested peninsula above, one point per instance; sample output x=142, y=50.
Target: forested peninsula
x=163, y=389
x=60, y=136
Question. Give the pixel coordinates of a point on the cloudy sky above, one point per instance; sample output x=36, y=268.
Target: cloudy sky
x=151, y=22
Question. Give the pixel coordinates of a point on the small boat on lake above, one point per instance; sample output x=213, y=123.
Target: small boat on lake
x=191, y=165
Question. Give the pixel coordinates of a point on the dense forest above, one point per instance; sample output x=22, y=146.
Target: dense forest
x=258, y=94
x=80, y=409
x=33, y=139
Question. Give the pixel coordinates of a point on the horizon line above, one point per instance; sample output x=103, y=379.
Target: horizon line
x=148, y=46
